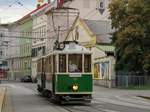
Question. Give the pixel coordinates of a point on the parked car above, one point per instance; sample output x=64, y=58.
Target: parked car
x=26, y=78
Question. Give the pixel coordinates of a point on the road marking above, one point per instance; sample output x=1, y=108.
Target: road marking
x=94, y=101
x=106, y=110
x=9, y=101
x=117, y=102
x=10, y=85
x=131, y=100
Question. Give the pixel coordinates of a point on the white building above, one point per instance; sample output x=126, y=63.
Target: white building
x=89, y=9
x=59, y=24
x=39, y=34
x=3, y=45
x=13, y=50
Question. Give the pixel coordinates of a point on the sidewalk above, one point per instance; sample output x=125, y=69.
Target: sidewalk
x=123, y=97
x=2, y=97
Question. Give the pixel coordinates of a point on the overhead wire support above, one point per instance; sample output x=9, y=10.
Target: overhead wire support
x=53, y=37
x=10, y=5
x=66, y=11
x=22, y=37
x=19, y=3
x=31, y=32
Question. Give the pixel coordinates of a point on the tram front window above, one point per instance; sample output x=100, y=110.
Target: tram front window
x=75, y=63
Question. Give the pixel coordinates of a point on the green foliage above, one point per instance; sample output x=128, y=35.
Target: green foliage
x=131, y=19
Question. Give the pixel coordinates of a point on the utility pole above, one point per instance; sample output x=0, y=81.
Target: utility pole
x=12, y=69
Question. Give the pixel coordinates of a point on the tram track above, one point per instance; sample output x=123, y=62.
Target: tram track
x=82, y=108
x=72, y=109
x=93, y=107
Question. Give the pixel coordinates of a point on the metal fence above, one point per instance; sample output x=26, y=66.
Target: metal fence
x=132, y=80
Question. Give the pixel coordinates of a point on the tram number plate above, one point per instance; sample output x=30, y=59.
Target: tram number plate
x=74, y=75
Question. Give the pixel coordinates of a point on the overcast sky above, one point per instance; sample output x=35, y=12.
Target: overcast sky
x=10, y=10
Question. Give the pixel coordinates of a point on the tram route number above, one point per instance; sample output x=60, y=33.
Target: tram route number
x=74, y=75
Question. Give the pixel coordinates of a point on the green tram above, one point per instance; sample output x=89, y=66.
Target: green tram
x=65, y=75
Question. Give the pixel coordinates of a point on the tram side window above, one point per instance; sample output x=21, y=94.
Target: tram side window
x=62, y=63
x=87, y=63
x=54, y=64
x=75, y=63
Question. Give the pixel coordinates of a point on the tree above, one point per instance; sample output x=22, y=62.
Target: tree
x=131, y=21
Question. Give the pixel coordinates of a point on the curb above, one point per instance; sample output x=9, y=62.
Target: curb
x=145, y=97
x=2, y=97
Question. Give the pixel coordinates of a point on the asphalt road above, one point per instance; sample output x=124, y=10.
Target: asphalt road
x=24, y=98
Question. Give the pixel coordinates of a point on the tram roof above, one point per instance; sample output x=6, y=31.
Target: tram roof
x=73, y=49
x=70, y=49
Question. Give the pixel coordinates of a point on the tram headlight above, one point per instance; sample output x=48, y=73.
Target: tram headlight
x=75, y=87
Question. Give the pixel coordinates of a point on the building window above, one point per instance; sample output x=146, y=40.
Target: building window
x=101, y=6
x=1, y=53
x=43, y=48
x=33, y=54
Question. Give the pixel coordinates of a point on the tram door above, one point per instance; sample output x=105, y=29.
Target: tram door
x=53, y=74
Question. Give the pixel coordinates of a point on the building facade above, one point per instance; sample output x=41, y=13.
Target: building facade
x=23, y=33
x=13, y=51
x=89, y=9
x=3, y=46
x=59, y=24
x=25, y=43
x=104, y=65
x=39, y=33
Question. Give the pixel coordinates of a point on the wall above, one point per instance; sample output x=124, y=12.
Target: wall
x=58, y=23
x=3, y=45
x=25, y=47
x=105, y=71
x=38, y=45
x=85, y=36
x=13, y=51
x=89, y=9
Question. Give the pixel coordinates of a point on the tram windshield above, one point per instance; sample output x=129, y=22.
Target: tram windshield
x=75, y=63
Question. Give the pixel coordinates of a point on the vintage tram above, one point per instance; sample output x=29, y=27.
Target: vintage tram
x=65, y=75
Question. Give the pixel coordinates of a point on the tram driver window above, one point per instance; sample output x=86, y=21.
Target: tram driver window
x=75, y=63
x=87, y=63
x=62, y=63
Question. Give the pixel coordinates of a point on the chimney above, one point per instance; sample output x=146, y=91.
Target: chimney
x=60, y=3
x=38, y=5
x=49, y=1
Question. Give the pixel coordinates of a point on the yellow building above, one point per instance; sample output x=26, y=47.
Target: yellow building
x=95, y=35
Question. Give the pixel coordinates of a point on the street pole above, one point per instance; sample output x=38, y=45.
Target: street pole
x=12, y=69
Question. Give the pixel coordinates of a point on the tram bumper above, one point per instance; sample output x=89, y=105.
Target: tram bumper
x=74, y=99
